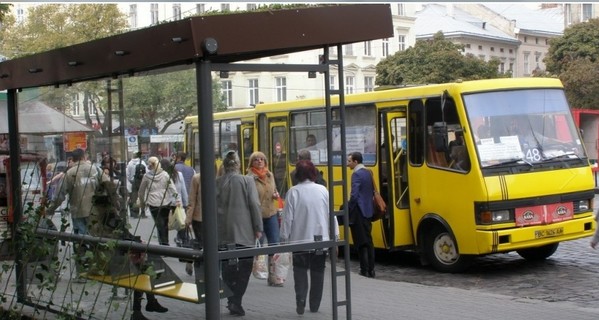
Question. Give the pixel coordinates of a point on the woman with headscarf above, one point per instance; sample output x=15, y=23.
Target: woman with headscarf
x=157, y=190
x=239, y=225
x=267, y=192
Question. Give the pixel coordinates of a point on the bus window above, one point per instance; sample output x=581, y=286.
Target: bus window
x=360, y=132
x=248, y=146
x=216, y=140
x=308, y=131
x=416, y=128
x=228, y=136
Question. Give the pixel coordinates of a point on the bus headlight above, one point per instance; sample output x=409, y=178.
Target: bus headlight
x=491, y=217
x=583, y=206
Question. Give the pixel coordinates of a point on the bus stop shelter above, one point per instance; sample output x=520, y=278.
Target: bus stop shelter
x=208, y=44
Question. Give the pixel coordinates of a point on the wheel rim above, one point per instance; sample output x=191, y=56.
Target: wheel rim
x=445, y=249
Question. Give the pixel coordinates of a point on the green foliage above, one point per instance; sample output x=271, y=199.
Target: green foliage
x=4, y=10
x=433, y=61
x=574, y=58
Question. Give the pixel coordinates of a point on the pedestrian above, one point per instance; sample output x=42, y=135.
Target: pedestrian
x=305, y=217
x=136, y=169
x=305, y=155
x=177, y=178
x=267, y=191
x=193, y=217
x=186, y=170
x=157, y=191
x=361, y=209
x=79, y=183
x=239, y=225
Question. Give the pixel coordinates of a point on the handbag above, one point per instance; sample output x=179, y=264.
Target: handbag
x=176, y=219
x=380, y=207
x=189, y=241
x=260, y=267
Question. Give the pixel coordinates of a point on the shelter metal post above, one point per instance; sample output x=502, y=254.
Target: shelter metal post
x=206, y=129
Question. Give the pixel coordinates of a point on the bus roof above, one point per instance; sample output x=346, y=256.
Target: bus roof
x=416, y=91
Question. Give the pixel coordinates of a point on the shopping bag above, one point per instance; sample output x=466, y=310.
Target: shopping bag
x=279, y=268
x=260, y=268
x=176, y=219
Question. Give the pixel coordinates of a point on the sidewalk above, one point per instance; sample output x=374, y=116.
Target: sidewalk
x=371, y=299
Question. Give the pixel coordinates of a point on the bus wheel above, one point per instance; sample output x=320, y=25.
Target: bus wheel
x=538, y=253
x=442, y=253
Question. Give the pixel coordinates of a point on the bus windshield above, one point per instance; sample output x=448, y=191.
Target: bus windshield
x=522, y=126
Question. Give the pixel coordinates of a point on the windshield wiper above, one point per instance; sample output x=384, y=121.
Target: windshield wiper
x=511, y=161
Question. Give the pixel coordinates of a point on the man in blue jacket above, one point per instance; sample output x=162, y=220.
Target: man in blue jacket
x=360, y=208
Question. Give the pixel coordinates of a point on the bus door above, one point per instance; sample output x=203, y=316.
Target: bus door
x=274, y=145
x=394, y=180
x=246, y=141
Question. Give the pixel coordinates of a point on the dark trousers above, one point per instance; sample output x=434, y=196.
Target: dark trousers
x=315, y=263
x=197, y=232
x=133, y=199
x=237, y=276
x=361, y=230
x=160, y=215
x=137, y=295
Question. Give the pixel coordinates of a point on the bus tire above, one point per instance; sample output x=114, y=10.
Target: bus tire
x=441, y=251
x=538, y=253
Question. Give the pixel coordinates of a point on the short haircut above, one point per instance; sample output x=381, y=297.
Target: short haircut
x=304, y=154
x=182, y=155
x=356, y=156
x=305, y=170
x=78, y=154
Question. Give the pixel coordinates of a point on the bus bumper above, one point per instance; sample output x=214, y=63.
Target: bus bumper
x=533, y=236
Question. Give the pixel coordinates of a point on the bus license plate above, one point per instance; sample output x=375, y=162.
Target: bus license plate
x=547, y=233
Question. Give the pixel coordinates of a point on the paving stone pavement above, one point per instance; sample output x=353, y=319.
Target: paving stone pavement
x=371, y=299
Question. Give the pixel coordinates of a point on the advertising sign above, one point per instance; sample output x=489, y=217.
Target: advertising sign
x=74, y=140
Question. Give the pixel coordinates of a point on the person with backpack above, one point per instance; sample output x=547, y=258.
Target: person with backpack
x=136, y=169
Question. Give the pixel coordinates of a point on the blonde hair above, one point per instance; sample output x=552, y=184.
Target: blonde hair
x=254, y=155
x=154, y=164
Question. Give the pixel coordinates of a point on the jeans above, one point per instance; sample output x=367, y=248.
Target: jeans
x=271, y=230
x=160, y=215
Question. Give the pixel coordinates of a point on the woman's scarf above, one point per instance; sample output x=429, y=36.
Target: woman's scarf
x=261, y=173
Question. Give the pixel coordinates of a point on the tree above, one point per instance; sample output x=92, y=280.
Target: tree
x=4, y=10
x=574, y=58
x=433, y=61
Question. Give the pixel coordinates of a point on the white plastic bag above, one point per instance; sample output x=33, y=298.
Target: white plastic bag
x=176, y=219
x=260, y=268
x=279, y=268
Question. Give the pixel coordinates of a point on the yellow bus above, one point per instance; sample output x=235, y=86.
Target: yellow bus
x=467, y=169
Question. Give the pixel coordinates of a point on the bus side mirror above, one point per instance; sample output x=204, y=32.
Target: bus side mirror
x=440, y=136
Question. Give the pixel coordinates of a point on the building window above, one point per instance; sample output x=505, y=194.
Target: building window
x=348, y=49
x=20, y=14
x=467, y=46
x=224, y=7
x=402, y=42
x=349, y=84
x=526, y=63
x=281, y=86
x=177, y=11
x=587, y=11
x=227, y=90
x=401, y=9
x=200, y=8
x=251, y=6
x=133, y=16
x=525, y=39
x=75, y=105
x=368, y=48
x=511, y=51
x=500, y=49
x=502, y=67
x=492, y=49
x=154, y=13
x=511, y=67
x=332, y=82
x=480, y=47
x=253, y=92
x=385, y=47
x=368, y=84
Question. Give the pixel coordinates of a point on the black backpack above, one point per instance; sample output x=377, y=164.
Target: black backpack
x=140, y=170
